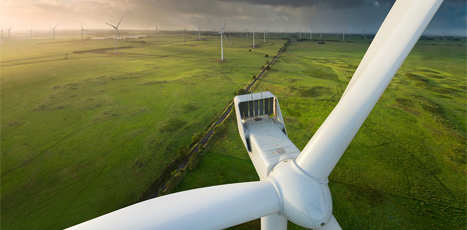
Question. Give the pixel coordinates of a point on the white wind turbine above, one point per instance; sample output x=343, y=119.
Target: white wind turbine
x=31, y=32
x=222, y=41
x=157, y=29
x=53, y=31
x=264, y=36
x=291, y=188
x=9, y=30
x=253, y=35
x=82, y=32
x=199, y=33
x=116, y=32
x=184, y=32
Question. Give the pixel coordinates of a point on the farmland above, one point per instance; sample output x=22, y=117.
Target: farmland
x=406, y=167
x=85, y=133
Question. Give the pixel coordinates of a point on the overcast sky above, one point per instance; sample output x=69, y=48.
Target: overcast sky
x=353, y=16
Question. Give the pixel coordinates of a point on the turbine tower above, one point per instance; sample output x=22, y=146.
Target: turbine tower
x=293, y=185
x=222, y=41
x=116, y=32
x=53, y=37
x=199, y=33
x=264, y=36
x=31, y=32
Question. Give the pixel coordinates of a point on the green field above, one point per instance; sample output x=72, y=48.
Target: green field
x=83, y=134
x=406, y=167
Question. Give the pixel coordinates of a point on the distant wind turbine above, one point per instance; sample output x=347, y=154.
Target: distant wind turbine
x=53, y=31
x=311, y=34
x=82, y=32
x=9, y=32
x=253, y=35
x=184, y=32
x=264, y=36
x=116, y=32
x=31, y=32
x=343, y=35
x=156, y=32
x=199, y=33
x=222, y=41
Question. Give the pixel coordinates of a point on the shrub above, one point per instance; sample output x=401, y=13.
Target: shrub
x=254, y=77
x=268, y=67
x=266, y=55
x=183, y=151
x=196, y=137
x=267, y=62
x=249, y=50
x=239, y=92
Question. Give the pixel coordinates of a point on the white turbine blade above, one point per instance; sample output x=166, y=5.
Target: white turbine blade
x=332, y=225
x=111, y=25
x=119, y=21
x=224, y=25
x=405, y=23
x=215, y=207
x=226, y=40
x=81, y=26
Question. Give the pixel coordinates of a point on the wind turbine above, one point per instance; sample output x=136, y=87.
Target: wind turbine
x=253, y=35
x=343, y=35
x=53, y=31
x=116, y=32
x=82, y=32
x=9, y=32
x=184, y=32
x=222, y=41
x=31, y=32
x=156, y=32
x=199, y=33
x=264, y=36
x=293, y=184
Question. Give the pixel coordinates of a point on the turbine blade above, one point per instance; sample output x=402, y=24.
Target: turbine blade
x=225, y=19
x=332, y=225
x=400, y=31
x=111, y=25
x=228, y=44
x=215, y=207
x=81, y=25
x=119, y=21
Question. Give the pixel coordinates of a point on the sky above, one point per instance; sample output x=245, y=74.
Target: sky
x=351, y=16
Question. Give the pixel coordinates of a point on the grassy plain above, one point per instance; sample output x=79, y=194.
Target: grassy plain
x=406, y=167
x=85, y=134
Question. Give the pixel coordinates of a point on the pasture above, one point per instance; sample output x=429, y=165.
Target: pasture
x=406, y=167
x=85, y=133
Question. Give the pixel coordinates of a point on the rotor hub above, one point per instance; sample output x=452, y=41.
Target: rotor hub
x=306, y=201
